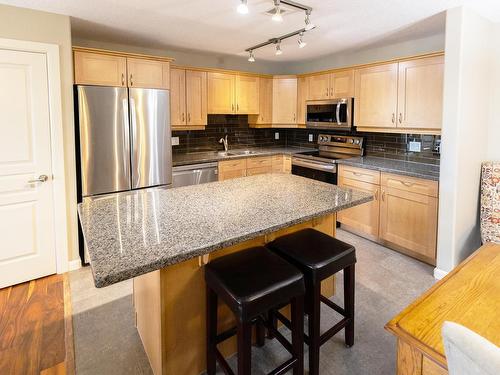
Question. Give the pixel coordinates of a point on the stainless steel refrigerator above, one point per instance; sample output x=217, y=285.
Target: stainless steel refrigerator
x=125, y=139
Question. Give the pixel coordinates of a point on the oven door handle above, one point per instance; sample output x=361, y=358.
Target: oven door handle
x=331, y=168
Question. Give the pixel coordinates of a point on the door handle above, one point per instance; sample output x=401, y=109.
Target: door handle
x=183, y=117
x=331, y=92
x=232, y=107
x=400, y=118
x=189, y=117
x=338, y=114
x=41, y=178
x=376, y=195
x=383, y=195
x=131, y=82
x=393, y=118
x=327, y=92
x=123, y=79
x=237, y=107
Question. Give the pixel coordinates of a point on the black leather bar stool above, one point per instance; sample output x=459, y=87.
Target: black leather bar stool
x=319, y=256
x=251, y=283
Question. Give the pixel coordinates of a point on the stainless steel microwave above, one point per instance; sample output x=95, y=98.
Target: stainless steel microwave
x=330, y=114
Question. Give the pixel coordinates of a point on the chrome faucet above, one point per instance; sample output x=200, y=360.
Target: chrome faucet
x=224, y=141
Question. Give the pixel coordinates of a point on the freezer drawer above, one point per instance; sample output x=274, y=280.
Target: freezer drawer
x=194, y=174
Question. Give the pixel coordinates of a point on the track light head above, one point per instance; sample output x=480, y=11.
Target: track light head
x=277, y=17
x=301, y=42
x=243, y=7
x=251, y=58
x=309, y=24
x=278, y=48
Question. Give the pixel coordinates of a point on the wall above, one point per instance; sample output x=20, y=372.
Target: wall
x=31, y=25
x=466, y=116
x=494, y=121
x=189, y=58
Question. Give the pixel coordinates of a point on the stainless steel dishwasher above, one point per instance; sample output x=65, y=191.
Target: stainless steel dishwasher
x=194, y=174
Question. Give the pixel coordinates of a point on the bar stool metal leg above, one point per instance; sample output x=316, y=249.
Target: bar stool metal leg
x=314, y=329
x=211, y=331
x=349, y=287
x=297, y=314
x=244, y=348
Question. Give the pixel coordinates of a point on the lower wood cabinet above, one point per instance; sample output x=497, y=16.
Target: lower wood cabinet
x=254, y=165
x=402, y=216
x=232, y=169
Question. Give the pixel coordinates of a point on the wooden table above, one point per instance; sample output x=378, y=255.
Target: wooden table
x=469, y=295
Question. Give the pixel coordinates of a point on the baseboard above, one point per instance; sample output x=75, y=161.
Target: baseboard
x=74, y=264
x=439, y=274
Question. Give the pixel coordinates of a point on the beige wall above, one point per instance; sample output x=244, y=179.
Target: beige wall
x=31, y=25
x=468, y=76
x=494, y=122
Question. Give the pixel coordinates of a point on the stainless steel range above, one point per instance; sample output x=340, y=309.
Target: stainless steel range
x=321, y=165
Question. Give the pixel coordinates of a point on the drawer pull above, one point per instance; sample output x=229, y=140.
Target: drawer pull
x=409, y=184
x=358, y=174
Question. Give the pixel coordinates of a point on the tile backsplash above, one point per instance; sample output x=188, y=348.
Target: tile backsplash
x=391, y=146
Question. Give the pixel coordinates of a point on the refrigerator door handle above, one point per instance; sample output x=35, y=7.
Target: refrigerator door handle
x=126, y=135
x=135, y=148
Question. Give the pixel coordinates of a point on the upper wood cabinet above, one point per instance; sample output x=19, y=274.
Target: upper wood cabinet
x=331, y=85
x=107, y=68
x=302, y=94
x=404, y=96
x=232, y=94
x=420, y=93
x=265, y=116
x=376, y=96
x=100, y=69
x=188, y=99
x=148, y=74
x=284, y=100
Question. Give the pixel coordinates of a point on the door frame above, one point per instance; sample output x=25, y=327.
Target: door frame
x=57, y=141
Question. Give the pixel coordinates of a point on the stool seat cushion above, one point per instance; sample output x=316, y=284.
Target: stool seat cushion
x=316, y=254
x=252, y=281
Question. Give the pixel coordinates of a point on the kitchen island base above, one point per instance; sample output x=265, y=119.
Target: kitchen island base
x=170, y=307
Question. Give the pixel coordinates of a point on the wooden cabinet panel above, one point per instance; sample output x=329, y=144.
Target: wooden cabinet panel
x=409, y=220
x=196, y=98
x=359, y=174
x=376, y=95
x=145, y=73
x=284, y=100
x=247, y=94
x=100, y=69
x=302, y=94
x=265, y=101
x=342, y=84
x=412, y=184
x=287, y=164
x=259, y=170
x=277, y=163
x=363, y=218
x=221, y=89
x=259, y=161
x=420, y=93
x=177, y=98
x=319, y=87
x=232, y=169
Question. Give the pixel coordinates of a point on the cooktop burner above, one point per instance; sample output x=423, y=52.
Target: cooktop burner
x=334, y=147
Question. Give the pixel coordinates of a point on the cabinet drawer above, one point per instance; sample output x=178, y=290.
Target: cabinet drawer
x=360, y=174
x=411, y=184
x=277, y=159
x=259, y=170
x=257, y=162
x=232, y=165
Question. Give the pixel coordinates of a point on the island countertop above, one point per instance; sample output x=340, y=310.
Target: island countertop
x=130, y=234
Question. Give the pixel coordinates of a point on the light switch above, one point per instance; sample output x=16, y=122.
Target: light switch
x=276, y=135
x=415, y=146
x=175, y=141
x=311, y=137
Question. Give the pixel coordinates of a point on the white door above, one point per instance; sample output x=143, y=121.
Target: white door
x=27, y=238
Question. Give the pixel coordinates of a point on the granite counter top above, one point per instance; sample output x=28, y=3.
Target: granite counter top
x=211, y=156
x=407, y=168
x=130, y=234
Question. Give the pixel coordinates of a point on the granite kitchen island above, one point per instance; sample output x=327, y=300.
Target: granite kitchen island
x=162, y=238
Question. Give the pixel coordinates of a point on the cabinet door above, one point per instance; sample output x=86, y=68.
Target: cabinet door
x=265, y=101
x=221, y=92
x=376, y=96
x=319, y=86
x=409, y=220
x=147, y=74
x=196, y=98
x=302, y=94
x=420, y=93
x=284, y=100
x=342, y=84
x=363, y=218
x=247, y=95
x=101, y=70
x=178, y=97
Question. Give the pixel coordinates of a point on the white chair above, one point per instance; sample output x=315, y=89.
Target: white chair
x=468, y=353
x=490, y=202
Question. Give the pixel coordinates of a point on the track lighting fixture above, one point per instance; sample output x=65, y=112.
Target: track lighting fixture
x=243, y=7
x=277, y=12
x=278, y=48
x=251, y=58
x=307, y=21
x=301, y=42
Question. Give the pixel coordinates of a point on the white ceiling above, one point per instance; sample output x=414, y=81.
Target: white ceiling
x=214, y=25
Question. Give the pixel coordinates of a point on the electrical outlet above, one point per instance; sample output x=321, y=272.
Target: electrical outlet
x=311, y=138
x=415, y=146
x=175, y=141
x=276, y=135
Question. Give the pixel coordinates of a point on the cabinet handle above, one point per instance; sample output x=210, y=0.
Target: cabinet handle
x=409, y=184
x=294, y=117
x=182, y=117
x=400, y=118
x=327, y=92
x=238, y=107
x=232, y=107
x=123, y=79
x=131, y=82
x=383, y=195
x=393, y=118
x=376, y=195
x=331, y=92
x=357, y=174
x=189, y=117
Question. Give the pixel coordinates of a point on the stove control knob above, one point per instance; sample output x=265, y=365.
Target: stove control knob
x=356, y=142
x=350, y=140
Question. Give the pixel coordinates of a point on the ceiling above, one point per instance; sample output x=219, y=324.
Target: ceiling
x=215, y=26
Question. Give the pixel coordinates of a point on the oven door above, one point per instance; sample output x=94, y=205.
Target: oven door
x=330, y=114
x=318, y=171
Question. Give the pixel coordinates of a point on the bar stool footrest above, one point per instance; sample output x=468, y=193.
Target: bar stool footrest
x=332, y=305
